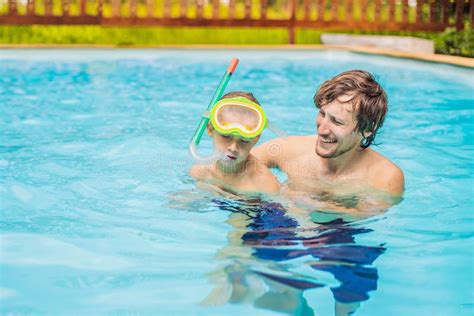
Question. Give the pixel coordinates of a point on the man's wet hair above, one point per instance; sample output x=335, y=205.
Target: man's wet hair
x=369, y=100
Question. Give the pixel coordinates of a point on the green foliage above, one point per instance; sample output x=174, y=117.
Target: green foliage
x=452, y=42
x=449, y=42
x=308, y=36
x=140, y=36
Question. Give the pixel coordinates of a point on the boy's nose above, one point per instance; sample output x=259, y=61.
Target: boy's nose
x=233, y=146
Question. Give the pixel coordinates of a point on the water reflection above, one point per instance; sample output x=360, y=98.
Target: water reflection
x=271, y=247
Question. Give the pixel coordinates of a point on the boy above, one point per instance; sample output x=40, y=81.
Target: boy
x=236, y=123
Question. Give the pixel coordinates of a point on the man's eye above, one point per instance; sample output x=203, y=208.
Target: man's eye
x=226, y=136
x=245, y=141
x=337, y=122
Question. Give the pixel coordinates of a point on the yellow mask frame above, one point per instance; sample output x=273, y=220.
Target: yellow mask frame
x=237, y=128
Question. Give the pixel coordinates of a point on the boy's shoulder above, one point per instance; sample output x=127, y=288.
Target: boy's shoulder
x=264, y=178
x=200, y=172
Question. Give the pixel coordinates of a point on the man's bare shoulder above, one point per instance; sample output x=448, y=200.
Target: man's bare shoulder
x=300, y=143
x=385, y=175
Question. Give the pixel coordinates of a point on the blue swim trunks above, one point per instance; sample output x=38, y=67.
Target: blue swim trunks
x=331, y=246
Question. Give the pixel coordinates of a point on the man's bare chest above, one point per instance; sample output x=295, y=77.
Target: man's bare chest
x=306, y=174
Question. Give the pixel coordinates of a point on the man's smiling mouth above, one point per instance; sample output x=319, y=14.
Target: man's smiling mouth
x=327, y=140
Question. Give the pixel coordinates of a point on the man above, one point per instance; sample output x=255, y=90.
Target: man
x=336, y=164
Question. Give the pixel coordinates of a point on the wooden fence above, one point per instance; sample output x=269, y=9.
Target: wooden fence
x=364, y=15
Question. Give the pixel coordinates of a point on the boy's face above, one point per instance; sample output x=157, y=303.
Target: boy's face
x=235, y=148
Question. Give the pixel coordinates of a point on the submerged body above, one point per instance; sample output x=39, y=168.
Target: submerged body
x=270, y=232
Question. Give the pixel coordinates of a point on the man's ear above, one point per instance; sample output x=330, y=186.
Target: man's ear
x=366, y=134
x=256, y=139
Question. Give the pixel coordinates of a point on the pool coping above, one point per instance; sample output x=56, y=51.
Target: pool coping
x=435, y=58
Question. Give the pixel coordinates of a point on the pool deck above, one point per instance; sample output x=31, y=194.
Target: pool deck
x=436, y=58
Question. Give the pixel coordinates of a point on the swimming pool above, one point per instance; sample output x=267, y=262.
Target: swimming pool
x=99, y=216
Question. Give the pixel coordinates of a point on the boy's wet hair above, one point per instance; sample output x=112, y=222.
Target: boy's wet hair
x=246, y=95
x=368, y=99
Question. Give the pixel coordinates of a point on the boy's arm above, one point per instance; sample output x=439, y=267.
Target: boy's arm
x=267, y=182
x=198, y=172
x=202, y=173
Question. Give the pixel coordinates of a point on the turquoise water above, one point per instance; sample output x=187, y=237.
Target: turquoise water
x=98, y=215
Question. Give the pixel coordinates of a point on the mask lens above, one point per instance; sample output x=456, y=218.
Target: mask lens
x=232, y=115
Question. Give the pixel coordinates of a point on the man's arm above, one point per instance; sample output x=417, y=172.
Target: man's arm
x=278, y=151
x=269, y=152
x=388, y=185
x=389, y=178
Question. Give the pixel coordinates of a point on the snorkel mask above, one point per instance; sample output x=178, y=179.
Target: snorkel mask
x=238, y=116
x=193, y=145
x=231, y=116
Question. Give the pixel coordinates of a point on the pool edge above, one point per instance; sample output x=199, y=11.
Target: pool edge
x=435, y=58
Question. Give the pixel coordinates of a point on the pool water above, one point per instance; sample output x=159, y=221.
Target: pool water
x=99, y=216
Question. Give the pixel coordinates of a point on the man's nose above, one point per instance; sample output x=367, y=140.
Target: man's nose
x=323, y=128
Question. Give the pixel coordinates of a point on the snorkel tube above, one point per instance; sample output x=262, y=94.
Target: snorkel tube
x=196, y=139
